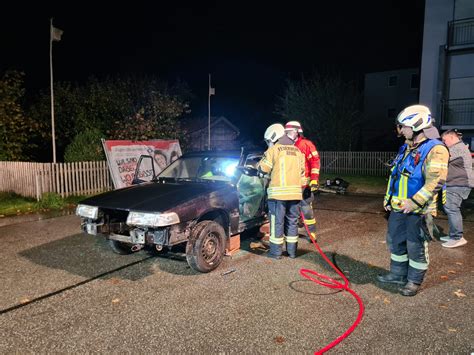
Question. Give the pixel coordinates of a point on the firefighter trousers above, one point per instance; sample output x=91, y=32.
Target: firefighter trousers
x=408, y=248
x=306, y=206
x=283, y=226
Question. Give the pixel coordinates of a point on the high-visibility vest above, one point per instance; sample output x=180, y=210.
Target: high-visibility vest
x=285, y=164
x=406, y=177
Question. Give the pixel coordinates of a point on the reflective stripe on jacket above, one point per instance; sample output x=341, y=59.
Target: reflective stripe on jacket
x=285, y=164
x=311, y=157
x=418, y=174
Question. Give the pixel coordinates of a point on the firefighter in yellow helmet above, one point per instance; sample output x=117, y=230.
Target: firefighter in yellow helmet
x=286, y=167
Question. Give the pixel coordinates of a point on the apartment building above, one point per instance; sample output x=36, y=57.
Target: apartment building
x=385, y=95
x=447, y=67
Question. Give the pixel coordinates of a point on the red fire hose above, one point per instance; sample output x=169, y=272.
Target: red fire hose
x=331, y=283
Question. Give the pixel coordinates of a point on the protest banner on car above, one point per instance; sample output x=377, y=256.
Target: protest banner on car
x=122, y=158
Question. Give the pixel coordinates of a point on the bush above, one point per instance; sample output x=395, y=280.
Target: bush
x=51, y=200
x=86, y=146
x=12, y=203
x=74, y=199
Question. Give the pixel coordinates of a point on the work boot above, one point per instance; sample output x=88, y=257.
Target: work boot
x=313, y=236
x=291, y=249
x=275, y=251
x=410, y=289
x=392, y=279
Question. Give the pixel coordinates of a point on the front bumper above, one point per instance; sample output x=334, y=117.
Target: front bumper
x=123, y=233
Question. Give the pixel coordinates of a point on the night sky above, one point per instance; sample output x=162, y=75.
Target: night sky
x=250, y=48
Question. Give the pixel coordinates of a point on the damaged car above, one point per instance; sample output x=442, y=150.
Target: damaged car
x=202, y=200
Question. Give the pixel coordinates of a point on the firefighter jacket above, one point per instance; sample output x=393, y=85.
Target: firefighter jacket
x=311, y=157
x=418, y=173
x=285, y=165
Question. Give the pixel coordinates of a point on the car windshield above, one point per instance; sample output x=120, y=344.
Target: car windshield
x=202, y=167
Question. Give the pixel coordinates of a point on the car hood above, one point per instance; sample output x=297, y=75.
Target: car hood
x=152, y=197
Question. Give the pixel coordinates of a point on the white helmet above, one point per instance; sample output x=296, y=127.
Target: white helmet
x=417, y=117
x=294, y=125
x=274, y=133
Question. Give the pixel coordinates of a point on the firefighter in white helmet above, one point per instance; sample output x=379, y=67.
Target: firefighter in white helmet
x=285, y=165
x=419, y=171
x=273, y=133
x=312, y=165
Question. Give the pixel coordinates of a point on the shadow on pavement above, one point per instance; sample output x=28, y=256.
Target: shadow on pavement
x=88, y=256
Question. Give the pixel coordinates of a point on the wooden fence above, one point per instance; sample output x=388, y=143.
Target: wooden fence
x=34, y=179
x=356, y=163
x=86, y=178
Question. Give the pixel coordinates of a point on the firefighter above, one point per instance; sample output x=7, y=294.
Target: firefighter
x=285, y=165
x=419, y=171
x=312, y=164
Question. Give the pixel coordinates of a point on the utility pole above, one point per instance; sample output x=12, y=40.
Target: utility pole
x=54, y=35
x=212, y=91
x=53, y=137
x=209, y=116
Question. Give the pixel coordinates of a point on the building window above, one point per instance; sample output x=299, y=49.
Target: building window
x=415, y=81
x=392, y=80
x=391, y=112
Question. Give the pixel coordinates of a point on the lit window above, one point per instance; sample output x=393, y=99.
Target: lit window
x=392, y=80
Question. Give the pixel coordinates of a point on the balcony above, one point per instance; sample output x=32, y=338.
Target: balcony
x=461, y=34
x=458, y=114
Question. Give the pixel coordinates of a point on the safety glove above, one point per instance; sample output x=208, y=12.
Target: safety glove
x=314, y=185
x=427, y=227
x=407, y=206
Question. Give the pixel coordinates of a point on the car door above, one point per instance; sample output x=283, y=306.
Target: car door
x=251, y=189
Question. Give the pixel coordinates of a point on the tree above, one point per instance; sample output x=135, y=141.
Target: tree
x=15, y=127
x=135, y=108
x=157, y=108
x=86, y=146
x=327, y=107
x=78, y=108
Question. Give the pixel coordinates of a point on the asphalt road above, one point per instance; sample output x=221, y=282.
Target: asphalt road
x=63, y=291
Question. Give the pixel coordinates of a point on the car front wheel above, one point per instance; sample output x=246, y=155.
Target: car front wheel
x=205, y=248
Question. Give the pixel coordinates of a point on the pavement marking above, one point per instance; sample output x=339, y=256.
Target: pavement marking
x=27, y=302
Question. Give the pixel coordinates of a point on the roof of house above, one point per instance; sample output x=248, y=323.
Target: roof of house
x=200, y=123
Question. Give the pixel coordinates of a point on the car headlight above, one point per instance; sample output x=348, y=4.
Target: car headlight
x=152, y=219
x=87, y=211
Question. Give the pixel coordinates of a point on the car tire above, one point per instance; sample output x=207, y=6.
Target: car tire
x=206, y=246
x=120, y=247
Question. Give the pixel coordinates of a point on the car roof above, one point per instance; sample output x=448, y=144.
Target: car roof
x=219, y=153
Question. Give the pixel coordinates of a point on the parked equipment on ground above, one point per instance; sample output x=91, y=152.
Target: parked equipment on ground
x=335, y=186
